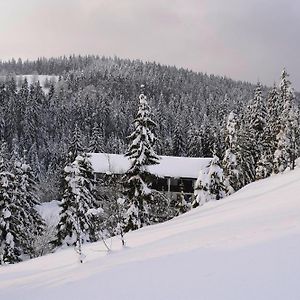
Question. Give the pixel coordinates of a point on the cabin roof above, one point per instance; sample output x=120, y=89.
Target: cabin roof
x=170, y=166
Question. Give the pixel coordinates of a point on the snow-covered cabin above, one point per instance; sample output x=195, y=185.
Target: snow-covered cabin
x=173, y=174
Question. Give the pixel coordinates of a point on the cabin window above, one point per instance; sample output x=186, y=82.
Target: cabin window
x=160, y=184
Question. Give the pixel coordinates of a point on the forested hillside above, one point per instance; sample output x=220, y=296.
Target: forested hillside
x=100, y=96
x=138, y=109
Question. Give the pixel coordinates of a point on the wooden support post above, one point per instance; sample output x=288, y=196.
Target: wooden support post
x=169, y=187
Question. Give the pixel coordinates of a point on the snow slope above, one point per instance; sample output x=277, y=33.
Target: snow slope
x=243, y=247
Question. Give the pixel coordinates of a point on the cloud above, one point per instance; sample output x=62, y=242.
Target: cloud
x=242, y=39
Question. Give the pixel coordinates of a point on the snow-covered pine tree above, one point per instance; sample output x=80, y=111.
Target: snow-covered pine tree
x=78, y=205
x=274, y=109
x=229, y=163
x=257, y=110
x=26, y=197
x=4, y=157
x=210, y=183
x=265, y=166
x=75, y=148
x=288, y=137
x=201, y=193
x=245, y=155
x=257, y=121
x=215, y=181
x=178, y=141
x=138, y=179
x=97, y=140
x=194, y=142
x=250, y=144
x=10, y=225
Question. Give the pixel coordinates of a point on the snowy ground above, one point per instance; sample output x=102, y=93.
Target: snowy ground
x=244, y=247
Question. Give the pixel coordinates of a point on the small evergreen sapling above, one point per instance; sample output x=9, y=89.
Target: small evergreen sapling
x=210, y=183
x=215, y=182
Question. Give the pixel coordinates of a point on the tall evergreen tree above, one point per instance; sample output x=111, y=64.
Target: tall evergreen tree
x=97, y=140
x=11, y=236
x=257, y=119
x=77, y=205
x=265, y=165
x=245, y=156
x=194, y=142
x=288, y=137
x=26, y=197
x=178, y=141
x=75, y=148
x=138, y=179
x=230, y=164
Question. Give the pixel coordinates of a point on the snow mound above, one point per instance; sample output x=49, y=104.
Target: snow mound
x=245, y=246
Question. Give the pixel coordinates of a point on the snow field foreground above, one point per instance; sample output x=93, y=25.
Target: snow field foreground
x=243, y=247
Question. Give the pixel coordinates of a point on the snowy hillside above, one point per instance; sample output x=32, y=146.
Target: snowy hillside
x=44, y=80
x=243, y=247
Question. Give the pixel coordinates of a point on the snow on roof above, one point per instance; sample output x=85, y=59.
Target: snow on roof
x=170, y=166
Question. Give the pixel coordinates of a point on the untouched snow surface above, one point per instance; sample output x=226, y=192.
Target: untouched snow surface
x=246, y=246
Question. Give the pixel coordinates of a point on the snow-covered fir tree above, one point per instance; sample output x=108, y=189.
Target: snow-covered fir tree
x=265, y=166
x=210, y=183
x=11, y=236
x=75, y=148
x=250, y=137
x=26, y=197
x=19, y=200
x=138, y=179
x=229, y=163
x=215, y=181
x=178, y=142
x=274, y=110
x=245, y=155
x=201, y=193
x=194, y=142
x=97, y=140
x=78, y=205
x=257, y=115
x=287, y=148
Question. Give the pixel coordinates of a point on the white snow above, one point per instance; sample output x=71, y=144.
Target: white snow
x=49, y=211
x=170, y=166
x=245, y=246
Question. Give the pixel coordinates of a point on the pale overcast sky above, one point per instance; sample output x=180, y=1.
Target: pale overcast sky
x=243, y=39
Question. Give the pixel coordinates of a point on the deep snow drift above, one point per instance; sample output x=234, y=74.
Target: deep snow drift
x=243, y=247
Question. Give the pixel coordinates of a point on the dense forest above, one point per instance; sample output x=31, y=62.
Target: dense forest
x=100, y=96
x=138, y=109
